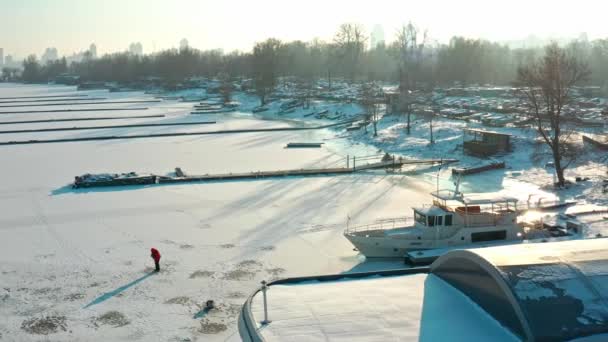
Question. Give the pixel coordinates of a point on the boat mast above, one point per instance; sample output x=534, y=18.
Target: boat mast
x=439, y=171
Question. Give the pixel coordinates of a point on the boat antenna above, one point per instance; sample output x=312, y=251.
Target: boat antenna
x=438, y=172
x=347, y=221
x=457, y=185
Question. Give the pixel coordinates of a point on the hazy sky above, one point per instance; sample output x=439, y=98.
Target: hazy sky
x=28, y=26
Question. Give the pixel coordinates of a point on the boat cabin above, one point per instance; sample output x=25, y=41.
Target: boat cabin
x=433, y=216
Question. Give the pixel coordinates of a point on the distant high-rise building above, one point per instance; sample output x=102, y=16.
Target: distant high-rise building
x=8, y=61
x=532, y=41
x=1, y=56
x=377, y=36
x=50, y=54
x=183, y=44
x=93, y=51
x=136, y=49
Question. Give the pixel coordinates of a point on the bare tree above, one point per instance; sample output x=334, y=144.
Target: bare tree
x=350, y=41
x=434, y=110
x=406, y=101
x=9, y=74
x=266, y=57
x=546, y=86
x=410, y=45
x=370, y=102
x=226, y=87
x=31, y=69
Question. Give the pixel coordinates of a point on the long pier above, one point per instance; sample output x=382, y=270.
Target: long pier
x=72, y=110
x=154, y=179
x=259, y=175
x=305, y=172
x=55, y=100
x=82, y=119
x=58, y=129
x=79, y=103
x=42, y=96
x=165, y=135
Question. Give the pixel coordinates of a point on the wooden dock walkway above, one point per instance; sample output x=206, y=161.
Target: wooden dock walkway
x=82, y=119
x=79, y=103
x=259, y=175
x=71, y=110
x=42, y=96
x=59, y=129
x=182, y=177
x=165, y=135
x=54, y=100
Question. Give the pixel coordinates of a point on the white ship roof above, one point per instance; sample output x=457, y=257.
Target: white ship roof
x=472, y=199
x=551, y=291
x=398, y=308
x=432, y=210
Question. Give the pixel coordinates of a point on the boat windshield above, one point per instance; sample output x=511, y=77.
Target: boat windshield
x=420, y=218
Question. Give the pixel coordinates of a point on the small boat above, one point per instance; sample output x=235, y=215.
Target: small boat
x=232, y=105
x=193, y=98
x=107, y=179
x=287, y=111
x=290, y=105
x=259, y=109
x=478, y=169
x=212, y=111
x=91, y=86
x=304, y=145
x=208, y=107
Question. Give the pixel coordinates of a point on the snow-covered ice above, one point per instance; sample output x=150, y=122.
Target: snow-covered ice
x=63, y=249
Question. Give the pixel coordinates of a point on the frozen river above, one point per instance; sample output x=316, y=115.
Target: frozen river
x=78, y=260
x=75, y=263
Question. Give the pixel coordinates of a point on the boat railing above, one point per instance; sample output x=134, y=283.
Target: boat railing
x=496, y=212
x=381, y=224
x=441, y=205
x=482, y=219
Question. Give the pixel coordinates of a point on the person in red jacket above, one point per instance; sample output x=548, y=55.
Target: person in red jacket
x=156, y=256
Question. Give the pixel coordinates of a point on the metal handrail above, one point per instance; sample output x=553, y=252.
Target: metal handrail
x=467, y=212
x=381, y=224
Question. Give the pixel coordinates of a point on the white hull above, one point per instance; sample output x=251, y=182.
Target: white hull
x=451, y=221
x=381, y=247
x=395, y=247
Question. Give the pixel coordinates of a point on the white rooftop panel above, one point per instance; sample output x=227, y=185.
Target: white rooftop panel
x=400, y=308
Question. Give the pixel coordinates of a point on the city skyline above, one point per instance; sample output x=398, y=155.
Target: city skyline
x=71, y=26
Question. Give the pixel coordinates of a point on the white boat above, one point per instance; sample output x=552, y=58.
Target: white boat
x=452, y=220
